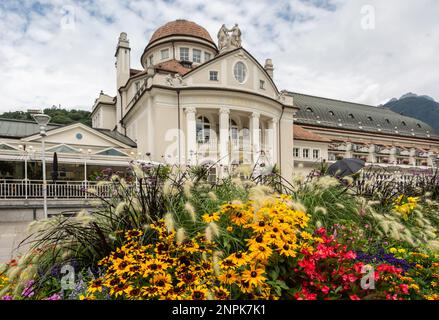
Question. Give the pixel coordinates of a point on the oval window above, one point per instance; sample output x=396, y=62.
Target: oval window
x=240, y=72
x=79, y=136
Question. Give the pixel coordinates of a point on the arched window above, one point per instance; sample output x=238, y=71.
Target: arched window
x=240, y=72
x=403, y=123
x=351, y=116
x=387, y=121
x=332, y=113
x=369, y=118
x=203, y=129
x=418, y=125
x=309, y=110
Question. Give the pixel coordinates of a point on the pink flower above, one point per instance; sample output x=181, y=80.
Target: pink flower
x=354, y=297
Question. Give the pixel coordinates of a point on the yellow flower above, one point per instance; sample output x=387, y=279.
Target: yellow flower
x=211, y=217
x=162, y=281
x=239, y=258
x=254, y=276
x=221, y=293
x=229, y=277
x=199, y=293
x=261, y=252
x=95, y=285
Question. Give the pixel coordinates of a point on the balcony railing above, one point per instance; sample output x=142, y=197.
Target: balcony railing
x=33, y=189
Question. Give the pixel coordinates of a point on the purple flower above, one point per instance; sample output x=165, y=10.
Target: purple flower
x=28, y=291
x=6, y=298
x=54, y=297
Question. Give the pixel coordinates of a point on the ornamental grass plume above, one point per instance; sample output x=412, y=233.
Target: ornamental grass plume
x=187, y=188
x=84, y=217
x=237, y=182
x=181, y=235
x=120, y=208
x=212, y=196
x=297, y=206
x=215, y=262
x=349, y=180
x=326, y=182
x=321, y=210
x=190, y=209
x=169, y=222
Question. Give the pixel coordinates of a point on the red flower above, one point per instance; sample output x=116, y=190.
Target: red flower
x=404, y=288
x=354, y=297
x=325, y=289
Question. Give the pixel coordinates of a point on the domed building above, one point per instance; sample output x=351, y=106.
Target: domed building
x=199, y=102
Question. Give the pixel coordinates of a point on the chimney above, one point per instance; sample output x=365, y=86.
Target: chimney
x=122, y=74
x=122, y=60
x=269, y=67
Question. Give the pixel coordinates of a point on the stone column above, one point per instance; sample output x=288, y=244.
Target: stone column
x=272, y=140
x=255, y=136
x=224, y=136
x=349, y=150
x=413, y=157
x=392, y=157
x=372, y=154
x=432, y=159
x=191, y=135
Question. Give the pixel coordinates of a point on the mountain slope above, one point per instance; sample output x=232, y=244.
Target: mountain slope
x=58, y=115
x=423, y=108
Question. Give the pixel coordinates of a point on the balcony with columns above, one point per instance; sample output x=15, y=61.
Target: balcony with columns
x=229, y=137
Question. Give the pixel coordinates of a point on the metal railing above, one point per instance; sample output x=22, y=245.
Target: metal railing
x=33, y=189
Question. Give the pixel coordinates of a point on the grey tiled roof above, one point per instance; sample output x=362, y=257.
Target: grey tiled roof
x=10, y=128
x=353, y=116
x=118, y=136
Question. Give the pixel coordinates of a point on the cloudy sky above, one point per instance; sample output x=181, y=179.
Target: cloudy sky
x=368, y=51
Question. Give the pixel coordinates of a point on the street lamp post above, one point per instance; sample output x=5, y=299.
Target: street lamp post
x=42, y=120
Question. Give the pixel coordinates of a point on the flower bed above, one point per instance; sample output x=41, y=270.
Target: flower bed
x=172, y=235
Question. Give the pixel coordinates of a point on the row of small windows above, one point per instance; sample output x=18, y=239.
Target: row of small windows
x=306, y=153
x=196, y=55
x=184, y=55
x=310, y=110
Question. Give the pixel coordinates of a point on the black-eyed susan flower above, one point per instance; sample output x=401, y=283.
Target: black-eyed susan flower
x=238, y=258
x=221, y=293
x=199, y=293
x=95, y=286
x=261, y=252
x=254, y=276
x=133, y=234
x=211, y=217
x=228, y=277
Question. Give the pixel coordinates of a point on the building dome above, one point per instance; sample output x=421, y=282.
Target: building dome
x=181, y=28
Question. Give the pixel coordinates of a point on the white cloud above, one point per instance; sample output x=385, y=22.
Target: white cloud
x=318, y=46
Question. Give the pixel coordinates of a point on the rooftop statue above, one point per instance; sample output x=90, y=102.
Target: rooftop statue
x=227, y=41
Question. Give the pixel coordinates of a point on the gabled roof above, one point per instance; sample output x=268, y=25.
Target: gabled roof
x=324, y=112
x=226, y=53
x=10, y=128
x=118, y=136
